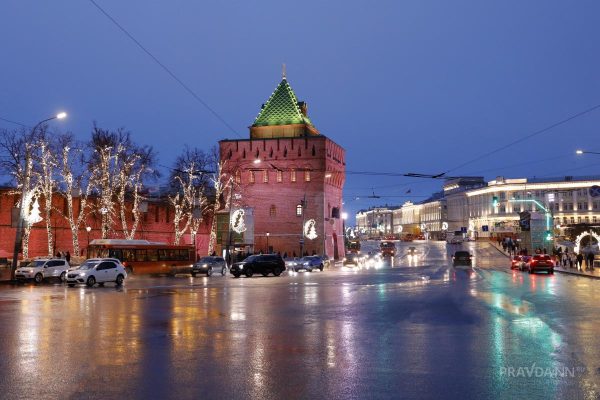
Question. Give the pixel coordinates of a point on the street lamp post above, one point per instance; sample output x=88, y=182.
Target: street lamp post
x=88, y=230
x=268, y=249
x=194, y=240
x=19, y=232
x=344, y=218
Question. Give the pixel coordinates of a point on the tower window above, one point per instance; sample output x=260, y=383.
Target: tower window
x=293, y=175
x=238, y=177
x=279, y=176
x=299, y=210
x=273, y=210
x=306, y=176
x=252, y=178
x=265, y=176
x=314, y=152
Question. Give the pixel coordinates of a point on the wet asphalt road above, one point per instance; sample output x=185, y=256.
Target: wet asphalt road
x=414, y=328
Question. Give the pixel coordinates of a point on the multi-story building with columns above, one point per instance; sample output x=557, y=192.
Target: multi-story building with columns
x=376, y=221
x=287, y=182
x=493, y=210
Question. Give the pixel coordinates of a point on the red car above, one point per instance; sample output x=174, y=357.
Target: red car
x=540, y=262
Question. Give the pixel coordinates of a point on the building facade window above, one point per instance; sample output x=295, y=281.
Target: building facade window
x=279, y=176
x=265, y=176
x=273, y=210
x=299, y=210
x=306, y=176
x=293, y=175
x=252, y=178
x=238, y=177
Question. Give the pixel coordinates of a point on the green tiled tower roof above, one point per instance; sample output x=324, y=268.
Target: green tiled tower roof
x=282, y=108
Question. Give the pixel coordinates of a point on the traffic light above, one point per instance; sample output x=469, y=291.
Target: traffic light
x=495, y=201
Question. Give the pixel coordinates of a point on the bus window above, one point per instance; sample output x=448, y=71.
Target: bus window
x=182, y=255
x=140, y=255
x=152, y=255
x=116, y=253
x=128, y=255
x=162, y=255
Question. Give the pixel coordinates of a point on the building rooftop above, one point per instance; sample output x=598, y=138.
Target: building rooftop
x=282, y=108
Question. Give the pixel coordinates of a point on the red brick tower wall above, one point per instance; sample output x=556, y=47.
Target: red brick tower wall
x=319, y=165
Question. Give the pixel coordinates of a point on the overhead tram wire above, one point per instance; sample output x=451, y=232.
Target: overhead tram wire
x=14, y=122
x=165, y=68
x=533, y=134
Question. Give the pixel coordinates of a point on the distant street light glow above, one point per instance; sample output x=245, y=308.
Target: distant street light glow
x=61, y=115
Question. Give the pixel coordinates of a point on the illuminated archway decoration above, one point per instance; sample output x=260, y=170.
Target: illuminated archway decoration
x=444, y=226
x=582, y=235
x=237, y=221
x=400, y=228
x=471, y=225
x=310, y=230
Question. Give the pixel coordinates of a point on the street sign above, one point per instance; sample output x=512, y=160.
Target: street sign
x=595, y=191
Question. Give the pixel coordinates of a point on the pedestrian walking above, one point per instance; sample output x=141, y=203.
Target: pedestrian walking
x=68, y=257
x=58, y=254
x=590, y=260
x=579, y=261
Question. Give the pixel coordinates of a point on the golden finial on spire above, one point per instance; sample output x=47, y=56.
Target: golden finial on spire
x=283, y=71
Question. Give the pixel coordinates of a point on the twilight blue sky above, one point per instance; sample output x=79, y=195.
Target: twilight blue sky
x=404, y=86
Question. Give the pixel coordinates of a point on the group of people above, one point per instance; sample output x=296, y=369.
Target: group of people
x=509, y=245
x=64, y=255
x=575, y=260
x=583, y=261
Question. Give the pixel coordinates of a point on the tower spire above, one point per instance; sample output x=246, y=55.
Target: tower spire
x=283, y=74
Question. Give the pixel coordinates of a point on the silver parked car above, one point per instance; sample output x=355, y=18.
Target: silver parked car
x=208, y=265
x=43, y=269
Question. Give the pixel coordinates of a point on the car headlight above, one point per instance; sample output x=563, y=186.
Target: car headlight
x=81, y=274
x=241, y=266
x=305, y=264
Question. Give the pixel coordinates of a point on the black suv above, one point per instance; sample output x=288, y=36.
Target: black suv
x=263, y=264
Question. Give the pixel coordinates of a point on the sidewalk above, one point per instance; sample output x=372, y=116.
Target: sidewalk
x=594, y=274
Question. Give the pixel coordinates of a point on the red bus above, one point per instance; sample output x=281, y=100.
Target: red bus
x=144, y=257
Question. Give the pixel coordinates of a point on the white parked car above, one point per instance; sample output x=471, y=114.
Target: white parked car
x=98, y=270
x=43, y=269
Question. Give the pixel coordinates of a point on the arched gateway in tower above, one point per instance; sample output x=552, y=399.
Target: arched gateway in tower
x=288, y=180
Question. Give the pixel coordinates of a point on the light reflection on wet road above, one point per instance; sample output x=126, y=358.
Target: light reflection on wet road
x=419, y=329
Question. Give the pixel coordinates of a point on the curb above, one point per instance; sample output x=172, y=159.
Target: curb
x=576, y=274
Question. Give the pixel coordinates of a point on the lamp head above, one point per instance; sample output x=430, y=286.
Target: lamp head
x=61, y=115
